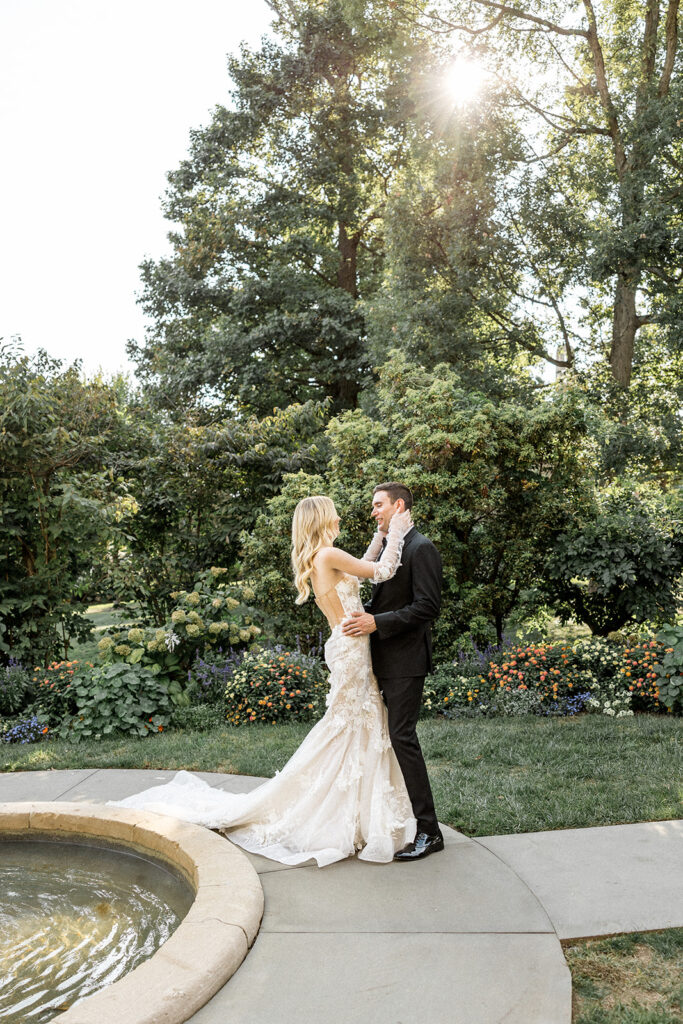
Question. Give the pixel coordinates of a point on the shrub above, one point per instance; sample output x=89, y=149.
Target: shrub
x=592, y=674
x=272, y=685
x=118, y=699
x=669, y=667
x=620, y=561
x=53, y=689
x=447, y=688
x=638, y=676
x=557, y=672
x=451, y=693
x=24, y=730
x=17, y=688
x=210, y=674
x=212, y=614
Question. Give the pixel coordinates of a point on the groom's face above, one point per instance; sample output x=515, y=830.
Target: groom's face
x=383, y=509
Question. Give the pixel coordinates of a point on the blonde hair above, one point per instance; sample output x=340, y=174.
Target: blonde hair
x=312, y=529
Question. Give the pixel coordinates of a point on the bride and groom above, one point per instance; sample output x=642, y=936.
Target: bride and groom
x=358, y=781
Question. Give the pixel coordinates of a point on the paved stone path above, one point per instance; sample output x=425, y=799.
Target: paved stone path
x=467, y=936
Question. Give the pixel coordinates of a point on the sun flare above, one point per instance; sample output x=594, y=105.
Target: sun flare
x=465, y=79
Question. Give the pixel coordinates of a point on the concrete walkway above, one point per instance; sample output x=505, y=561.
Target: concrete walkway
x=468, y=936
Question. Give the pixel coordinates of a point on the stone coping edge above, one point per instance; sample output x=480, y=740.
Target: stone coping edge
x=210, y=942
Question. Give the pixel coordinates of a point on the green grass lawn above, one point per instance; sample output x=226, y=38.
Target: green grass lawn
x=627, y=979
x=490, y=777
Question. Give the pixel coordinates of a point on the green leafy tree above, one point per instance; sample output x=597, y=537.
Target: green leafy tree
x=187, y=489
x=620, y=560
x=596, y=200
x=279, y=212
x=494, y=483
x=54, y=430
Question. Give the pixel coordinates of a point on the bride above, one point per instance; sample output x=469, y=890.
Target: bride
x=342, y=791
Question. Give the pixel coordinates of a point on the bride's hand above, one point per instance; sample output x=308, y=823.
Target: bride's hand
x=401, y=522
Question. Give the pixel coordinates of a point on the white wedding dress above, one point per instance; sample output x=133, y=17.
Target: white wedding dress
x=341, y=792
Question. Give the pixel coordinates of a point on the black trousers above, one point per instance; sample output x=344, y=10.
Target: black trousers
x=403, y=696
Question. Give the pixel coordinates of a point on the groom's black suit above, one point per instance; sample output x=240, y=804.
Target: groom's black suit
x=404, y=608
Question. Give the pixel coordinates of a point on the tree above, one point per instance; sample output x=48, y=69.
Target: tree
x=279, y=206
x=620, y=561
x=187, y=490
x=54, y=430
x=494, y=484
x=597, y=198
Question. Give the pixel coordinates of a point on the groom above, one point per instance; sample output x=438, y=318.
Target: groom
x=398, y=618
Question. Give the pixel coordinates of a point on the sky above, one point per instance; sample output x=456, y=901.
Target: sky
x=96, y=104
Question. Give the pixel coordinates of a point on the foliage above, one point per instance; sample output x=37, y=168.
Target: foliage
x=213, y=613
x=210, y=674
x=615, y=676
x=198, y=717
x=493, y=482
x=118, y=699
x=188, y=488
x=639, y=431
x=24, y=730
x=273, y=685
x=619, y=561
x=17, y=688
x=54, y=685
x=639, y=672
x=592, y=211
x=669, y=667
x=53, y=437
x=279, y=212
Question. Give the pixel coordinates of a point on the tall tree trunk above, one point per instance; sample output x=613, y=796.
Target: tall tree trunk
x=624, y=327
x=347, y=275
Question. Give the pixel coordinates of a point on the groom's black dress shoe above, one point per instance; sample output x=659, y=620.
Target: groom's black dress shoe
x=422, y=845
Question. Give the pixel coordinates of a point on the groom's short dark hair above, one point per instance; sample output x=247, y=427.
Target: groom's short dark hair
x=396, y=491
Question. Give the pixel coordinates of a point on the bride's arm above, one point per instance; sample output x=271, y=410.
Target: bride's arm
x=336, y=558
x=374, y=547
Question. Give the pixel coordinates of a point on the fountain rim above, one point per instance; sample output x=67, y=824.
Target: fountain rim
x=210, y=942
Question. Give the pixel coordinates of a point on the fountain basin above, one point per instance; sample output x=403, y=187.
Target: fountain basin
x=211, y=941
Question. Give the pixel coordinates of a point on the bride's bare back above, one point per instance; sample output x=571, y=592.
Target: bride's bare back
x=331, y=565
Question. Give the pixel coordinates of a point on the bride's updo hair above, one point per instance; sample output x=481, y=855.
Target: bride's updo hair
x=313, y=528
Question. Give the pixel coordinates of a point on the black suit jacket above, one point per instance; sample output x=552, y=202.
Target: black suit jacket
x=404, y=608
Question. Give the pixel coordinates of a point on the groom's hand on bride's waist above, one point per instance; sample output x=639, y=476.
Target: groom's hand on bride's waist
x=359, y=624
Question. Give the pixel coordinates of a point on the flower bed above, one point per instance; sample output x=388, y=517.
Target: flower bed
x=592, y=674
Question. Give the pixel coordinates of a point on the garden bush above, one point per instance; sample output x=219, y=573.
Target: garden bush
x=118, y=699
x=199, y=717
x=210, y=674
x=276, y=685
x=620, y=561
x=56, y=432
x=669, y=667
x=214, y=613
x=17, y=688
x=54, y=698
